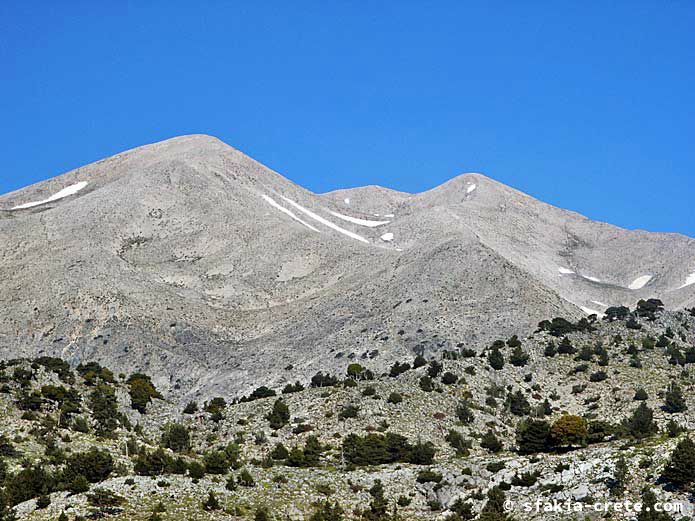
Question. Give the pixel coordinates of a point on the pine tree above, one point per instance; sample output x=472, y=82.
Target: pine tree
x=279, y=416
x=518, y=404
x=566, y=347
x=673, y=400
x=495, y=358
x=518, y=357
x=532, y=436
x=550, y=349
x=617, y=486
x=490, y=442
x=648, y=511
x=680, y=469
x=494, y=508
x=641, y=424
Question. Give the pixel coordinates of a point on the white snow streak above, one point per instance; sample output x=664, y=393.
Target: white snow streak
x=689, y=281
x=65, y=192
x=640, y=282
x=387, y=237
x=355, y=220
x=347, y=200
x=590, y=311
x=288, y=212
x=471, y=188
x=593, y=279
x=599, y=303
x=565, y=271
x=389, y=215
x=325, y=221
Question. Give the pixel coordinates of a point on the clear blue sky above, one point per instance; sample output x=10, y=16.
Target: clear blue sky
x=586, y=105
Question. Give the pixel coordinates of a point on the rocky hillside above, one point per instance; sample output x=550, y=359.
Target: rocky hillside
x=588, y=410
x=190, y=261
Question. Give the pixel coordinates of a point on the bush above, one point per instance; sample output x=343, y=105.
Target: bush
x=449, y=378
x=518, y=357
x=142, y=391
x=673, y=400
x=154, y=463
x=191, y=408
x=426, y=384
x=279, y=416
x=640, y=394
x=349, y=411
x=569, y=430
x=490, y=442
x=216, y=462
x=460, y=444
x=395, y=397
x=176, y=437
x=495, y=358
x=680, y=470
x=95, y=465
x=378, y=449
x=464, y=412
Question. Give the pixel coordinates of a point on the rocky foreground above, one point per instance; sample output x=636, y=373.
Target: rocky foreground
x=587, y=412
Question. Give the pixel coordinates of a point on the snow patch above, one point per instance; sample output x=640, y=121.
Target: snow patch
x=288, y=212
x=590, y=311
x=599, y=303
x=689, y=281
x=640, y=282
x=565, y=271
x=355, y=220
x=387, y=237
x=65, y=192
x=326, y=222
x=347, y=200
x=593, y=279
x=471, y=188
x=389, y=215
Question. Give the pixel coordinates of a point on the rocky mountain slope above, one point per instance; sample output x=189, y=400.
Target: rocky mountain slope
x=190, y=261
x=592, y=412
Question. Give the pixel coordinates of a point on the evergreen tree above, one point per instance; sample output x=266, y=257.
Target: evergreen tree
x=680, y=469
x=550, y=349
x=518, y=404
x=641, y=424
x=640, y=395
x=566, y=347
x=648, y=511
x=673, y=400
x=279, y=416
x=532, y=436
x=495, y=358
x=518, y=357
x=490, y=442
x=464, y=413
x=617, y=484
x=494, y=507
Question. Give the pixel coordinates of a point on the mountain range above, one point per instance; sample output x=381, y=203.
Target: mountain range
x=190, y=261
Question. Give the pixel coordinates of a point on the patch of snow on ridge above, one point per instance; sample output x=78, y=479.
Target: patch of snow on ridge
x=387, y=237
x=355, y=220
x=325, y=221
x=590, y=311
x=471, y=188
x=689, y=281
x=592, y=279
x=640, y=282
x=65, y=192
x=565, y=271
x=599, y=303
x=347, y=200
x=288, y=212
x=389, y=215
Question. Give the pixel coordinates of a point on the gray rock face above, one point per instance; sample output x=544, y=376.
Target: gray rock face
x=190, y=261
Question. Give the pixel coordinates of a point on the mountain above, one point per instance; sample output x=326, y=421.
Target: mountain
x=192, y=262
